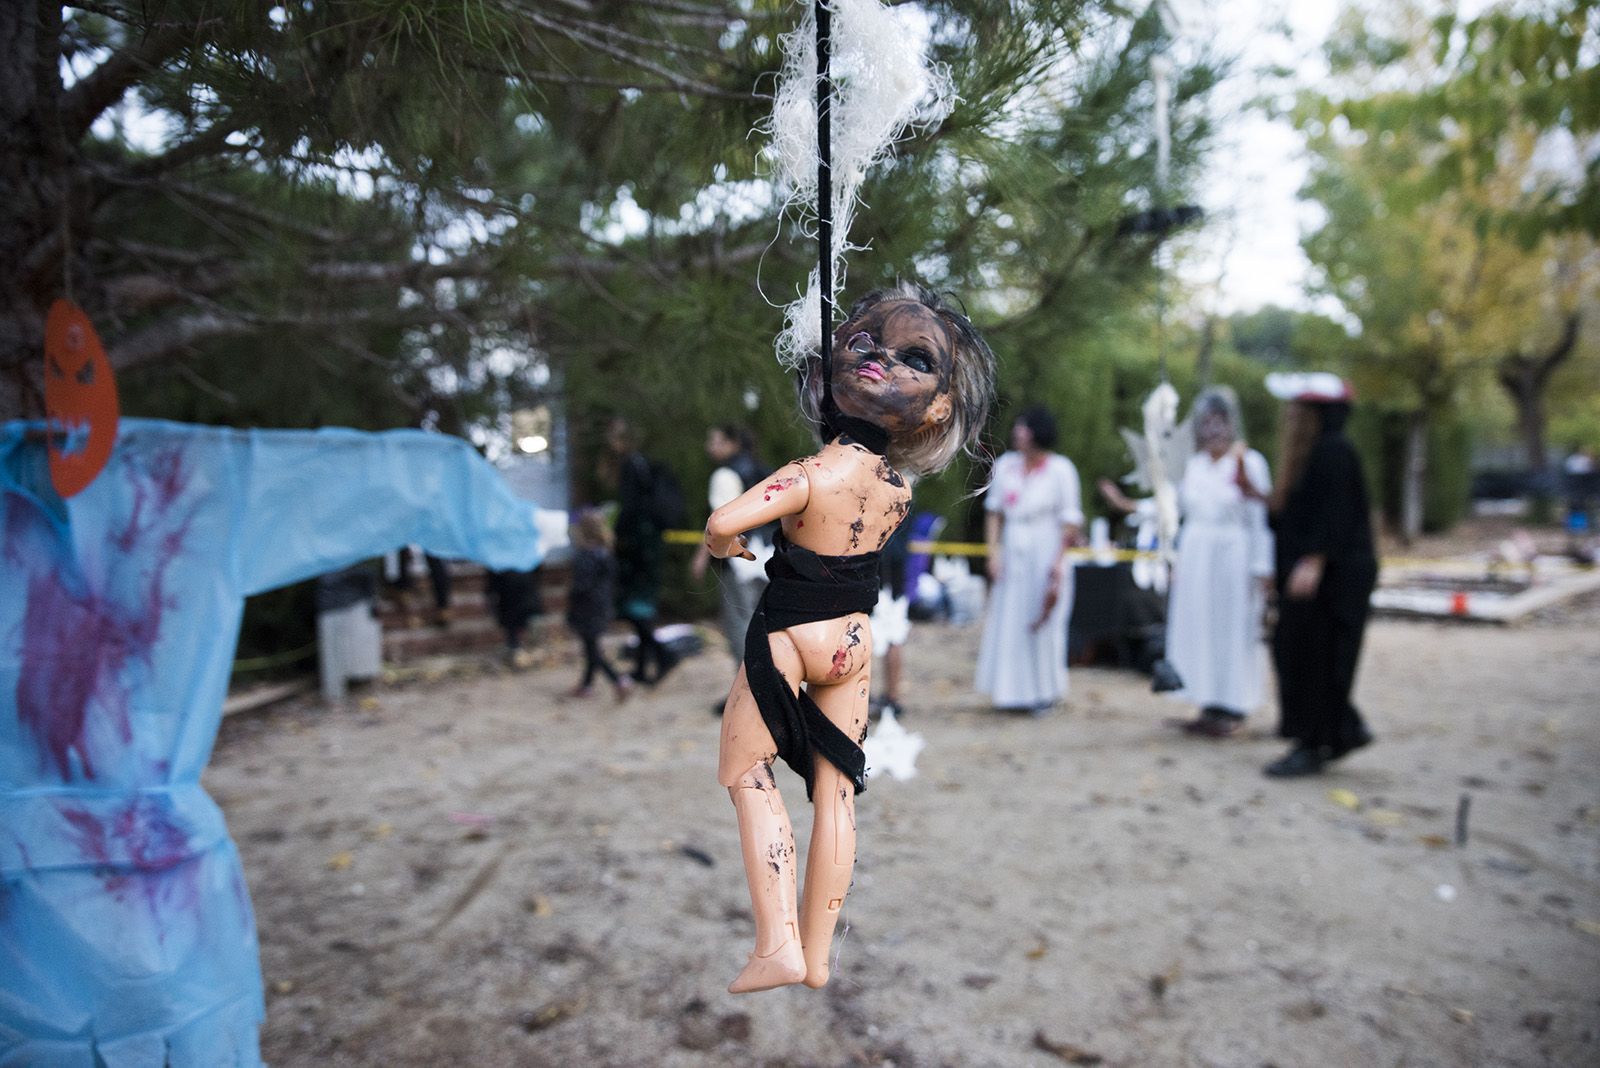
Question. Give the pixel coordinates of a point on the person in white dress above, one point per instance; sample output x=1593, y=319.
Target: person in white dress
x=1223, y=570
x=1035, y=513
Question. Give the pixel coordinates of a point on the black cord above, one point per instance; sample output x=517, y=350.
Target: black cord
x=825, y=197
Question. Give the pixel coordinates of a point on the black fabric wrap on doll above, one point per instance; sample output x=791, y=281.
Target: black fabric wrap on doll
x=805, y=587
x=870, y=436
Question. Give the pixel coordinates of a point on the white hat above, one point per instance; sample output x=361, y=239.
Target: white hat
x=1323, y=387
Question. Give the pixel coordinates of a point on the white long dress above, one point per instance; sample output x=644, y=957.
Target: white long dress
x=1214, y=613
x=1018, y=666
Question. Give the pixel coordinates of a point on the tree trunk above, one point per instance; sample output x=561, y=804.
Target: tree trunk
x=1526, y=378
x=1413, y=477
x=32, y=172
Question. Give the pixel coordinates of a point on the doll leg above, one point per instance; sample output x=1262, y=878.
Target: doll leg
x=766, y=838
x=832, y=856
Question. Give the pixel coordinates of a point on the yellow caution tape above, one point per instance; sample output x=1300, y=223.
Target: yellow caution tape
x=974, y=548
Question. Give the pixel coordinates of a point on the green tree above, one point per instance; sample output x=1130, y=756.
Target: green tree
x=1445, y=234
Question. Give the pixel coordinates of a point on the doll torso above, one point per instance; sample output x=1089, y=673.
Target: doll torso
x=856, y=502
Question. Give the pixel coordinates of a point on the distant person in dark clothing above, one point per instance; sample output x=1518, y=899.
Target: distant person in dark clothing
x=639, y=550
x=439, y=580
x=589, y=602
x=1326, y=569
x=515, y=595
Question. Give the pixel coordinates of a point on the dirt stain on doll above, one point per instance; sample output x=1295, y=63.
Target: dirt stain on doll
x=888, y=474
x=842, y=655
x=780, y=853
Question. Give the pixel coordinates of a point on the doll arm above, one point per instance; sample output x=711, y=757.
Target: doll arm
x=786, y=491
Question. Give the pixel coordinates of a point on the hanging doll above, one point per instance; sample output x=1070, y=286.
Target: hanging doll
x=911, y=383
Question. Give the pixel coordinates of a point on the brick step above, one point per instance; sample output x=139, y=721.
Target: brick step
x=471, y=636
x=413, y=643
x=468, y=599
x=391, y=610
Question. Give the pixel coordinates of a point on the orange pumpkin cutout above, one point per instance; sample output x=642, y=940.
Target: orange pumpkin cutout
x=80, y=399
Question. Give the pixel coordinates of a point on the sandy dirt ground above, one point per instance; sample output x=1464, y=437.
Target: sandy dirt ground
x=478, y=871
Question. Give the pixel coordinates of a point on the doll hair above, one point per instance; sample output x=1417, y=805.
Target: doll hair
x=971, y=386
x=590, y=531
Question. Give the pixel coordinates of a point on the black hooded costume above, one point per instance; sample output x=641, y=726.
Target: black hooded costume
x=1317, y=643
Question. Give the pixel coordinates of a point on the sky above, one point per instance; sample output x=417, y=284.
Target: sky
x=1248, y=254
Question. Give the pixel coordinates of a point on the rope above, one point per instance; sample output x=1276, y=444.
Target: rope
x=825, y=197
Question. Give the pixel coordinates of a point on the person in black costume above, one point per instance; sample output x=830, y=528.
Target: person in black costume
x=516, y=599
x=906, y=386
x=1326, y=569
x=590, y=598
x=639, y=551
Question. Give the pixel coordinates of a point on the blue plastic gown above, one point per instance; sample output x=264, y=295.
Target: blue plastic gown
x=126, y=935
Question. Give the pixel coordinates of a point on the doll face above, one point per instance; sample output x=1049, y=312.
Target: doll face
x=893, y=365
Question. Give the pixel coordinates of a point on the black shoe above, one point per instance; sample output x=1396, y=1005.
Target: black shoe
x=1301, y=760
x=1361, y=741
x=1210, y=726
x=666, y=660
x=1164, y=678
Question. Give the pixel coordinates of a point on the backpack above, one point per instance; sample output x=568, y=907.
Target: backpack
x=667, y=508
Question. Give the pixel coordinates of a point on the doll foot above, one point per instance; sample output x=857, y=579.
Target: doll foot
x=817, y=975
x=784, y=966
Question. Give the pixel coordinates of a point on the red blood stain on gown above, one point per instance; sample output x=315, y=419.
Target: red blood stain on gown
x=137, y=839
x=77, y=641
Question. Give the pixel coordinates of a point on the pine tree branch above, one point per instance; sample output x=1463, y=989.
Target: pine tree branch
x=227, y=203
x=139, y=292
x=678, y=81
x=91, y=95
x=211, y=141
x=183, y=332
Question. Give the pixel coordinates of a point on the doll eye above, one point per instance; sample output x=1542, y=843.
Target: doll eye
x=917, y=360
x=860, y=343
x=85, y=375
x=55, y=368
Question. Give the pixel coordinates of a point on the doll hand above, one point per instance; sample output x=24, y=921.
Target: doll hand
x=731, y=545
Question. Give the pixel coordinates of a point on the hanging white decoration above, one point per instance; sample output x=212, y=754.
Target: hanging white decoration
x=884, y=87
x=1160, y=454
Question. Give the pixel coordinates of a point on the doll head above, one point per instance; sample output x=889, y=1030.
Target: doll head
x=905, y=361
